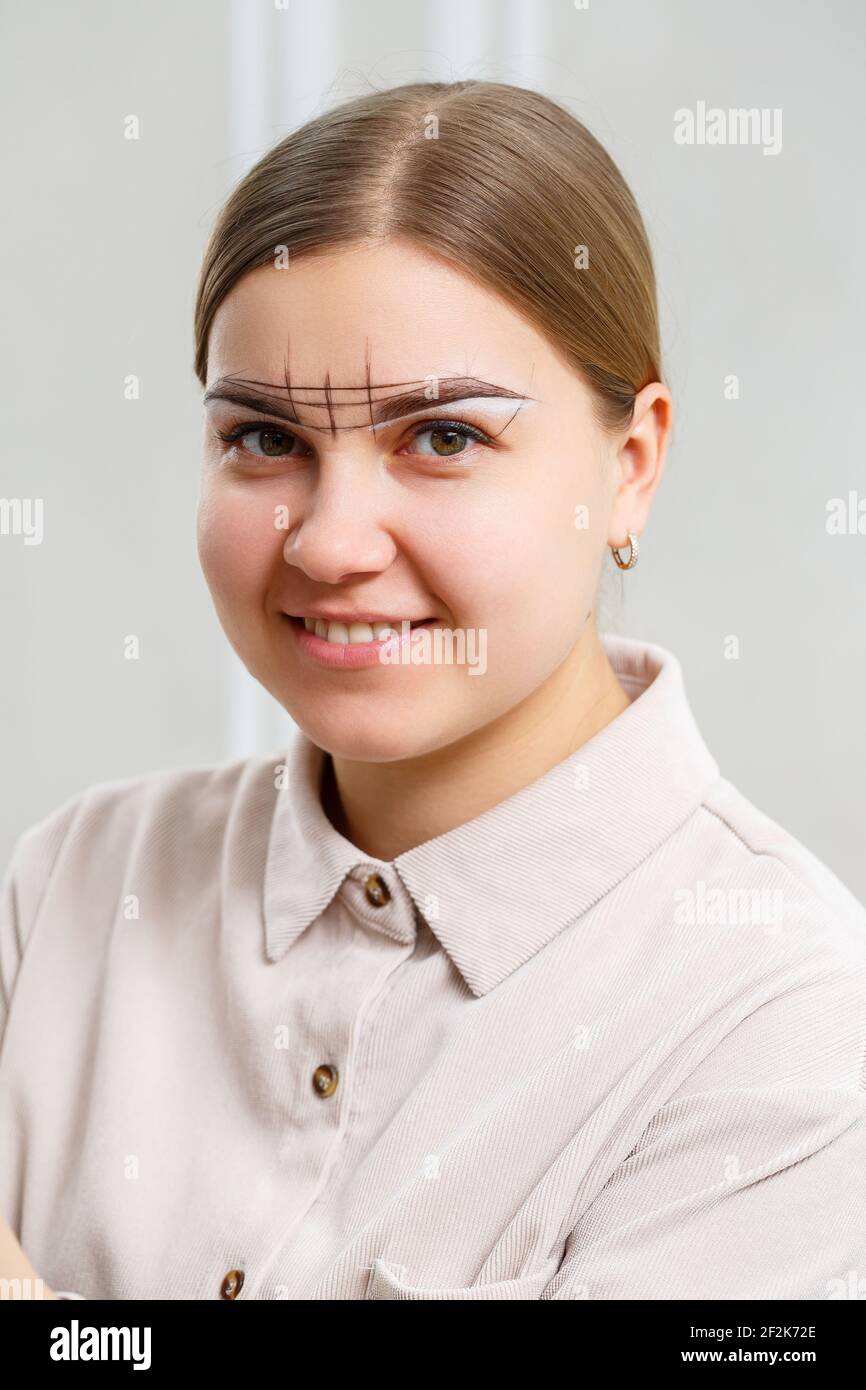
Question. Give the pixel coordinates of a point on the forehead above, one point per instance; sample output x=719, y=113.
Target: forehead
x=405, y=312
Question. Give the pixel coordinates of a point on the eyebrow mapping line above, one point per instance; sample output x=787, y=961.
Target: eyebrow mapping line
x=380, y=386
x=286, y=378
x=397, y=405
x=369, y=389
x=328, y=402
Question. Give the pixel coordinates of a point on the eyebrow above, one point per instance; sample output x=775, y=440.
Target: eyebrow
x=407, y=402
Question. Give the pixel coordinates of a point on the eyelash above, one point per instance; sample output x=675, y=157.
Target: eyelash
x=457, y=426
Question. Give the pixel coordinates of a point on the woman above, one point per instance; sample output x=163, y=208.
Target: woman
x=494, y=987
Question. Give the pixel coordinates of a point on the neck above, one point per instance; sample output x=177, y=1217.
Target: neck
x=388, y=808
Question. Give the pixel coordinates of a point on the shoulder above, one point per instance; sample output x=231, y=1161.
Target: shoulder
x=199, y=799
x=755, y=853
x=98, y=828
x=777, y=944
x=160, y=836
x=764, y=940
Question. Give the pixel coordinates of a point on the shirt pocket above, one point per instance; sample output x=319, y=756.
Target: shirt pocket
x=386, y=1283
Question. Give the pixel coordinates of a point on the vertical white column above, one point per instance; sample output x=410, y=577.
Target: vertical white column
x=249, y=92
x=525, y=42
x=495, y=40
x=306, y=52
x=461, y=38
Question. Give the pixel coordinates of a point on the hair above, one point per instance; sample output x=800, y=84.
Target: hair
x=496, y=180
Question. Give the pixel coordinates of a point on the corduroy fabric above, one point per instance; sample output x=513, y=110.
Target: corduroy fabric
x=605, y=1041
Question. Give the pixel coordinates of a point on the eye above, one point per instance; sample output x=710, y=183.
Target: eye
x=276, y=443
x=448, y=438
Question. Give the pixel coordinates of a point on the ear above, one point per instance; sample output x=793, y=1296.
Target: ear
x=640, y=453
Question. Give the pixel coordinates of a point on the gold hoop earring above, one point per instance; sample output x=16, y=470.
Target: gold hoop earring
x=630, y=563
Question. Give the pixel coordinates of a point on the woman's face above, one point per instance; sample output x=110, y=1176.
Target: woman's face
x=498, y=537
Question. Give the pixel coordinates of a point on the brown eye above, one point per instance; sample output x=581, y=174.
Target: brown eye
x=273, y=442
x=447, y=440
x=452, y=441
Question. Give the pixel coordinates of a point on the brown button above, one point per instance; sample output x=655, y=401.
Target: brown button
x=377, y=890
x=232, y=1284
x=325, y=1080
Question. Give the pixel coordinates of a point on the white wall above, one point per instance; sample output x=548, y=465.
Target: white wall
x=761, y=275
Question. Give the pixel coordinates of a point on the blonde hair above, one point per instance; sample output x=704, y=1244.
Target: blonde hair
x=497, y=180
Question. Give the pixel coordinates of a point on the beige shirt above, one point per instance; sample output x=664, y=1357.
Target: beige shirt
x=605, y=1040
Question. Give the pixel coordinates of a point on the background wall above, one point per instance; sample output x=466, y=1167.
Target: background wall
x=761, y=275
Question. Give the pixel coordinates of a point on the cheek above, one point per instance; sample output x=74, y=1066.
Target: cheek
x=238, y=543
x=523, y=558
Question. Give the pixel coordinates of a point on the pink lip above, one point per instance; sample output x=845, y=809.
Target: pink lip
x=343, y=656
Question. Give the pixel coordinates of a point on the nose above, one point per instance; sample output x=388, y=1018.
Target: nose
x=341, y=528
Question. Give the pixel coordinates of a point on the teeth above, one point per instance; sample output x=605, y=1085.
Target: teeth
x=345, y=635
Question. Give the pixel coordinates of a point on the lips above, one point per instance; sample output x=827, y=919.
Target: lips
x=341, y=654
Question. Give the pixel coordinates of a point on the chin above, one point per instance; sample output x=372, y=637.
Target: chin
x=374, y=738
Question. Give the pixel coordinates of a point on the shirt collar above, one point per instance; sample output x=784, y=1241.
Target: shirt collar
x=498, y=888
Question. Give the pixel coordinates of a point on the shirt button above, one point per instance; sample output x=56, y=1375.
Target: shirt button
x=232, y=1284
x=377, y=890
x=325, y=1080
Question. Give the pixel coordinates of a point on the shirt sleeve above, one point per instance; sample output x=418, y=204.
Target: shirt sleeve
x=750, y=1182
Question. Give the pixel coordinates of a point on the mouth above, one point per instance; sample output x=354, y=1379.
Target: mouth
x=355, y=633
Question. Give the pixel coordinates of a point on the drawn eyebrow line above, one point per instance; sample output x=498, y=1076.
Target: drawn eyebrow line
x=369, y=389
x=412, y=381
x=328, y=401
x=235, y=391
x=286, y=377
